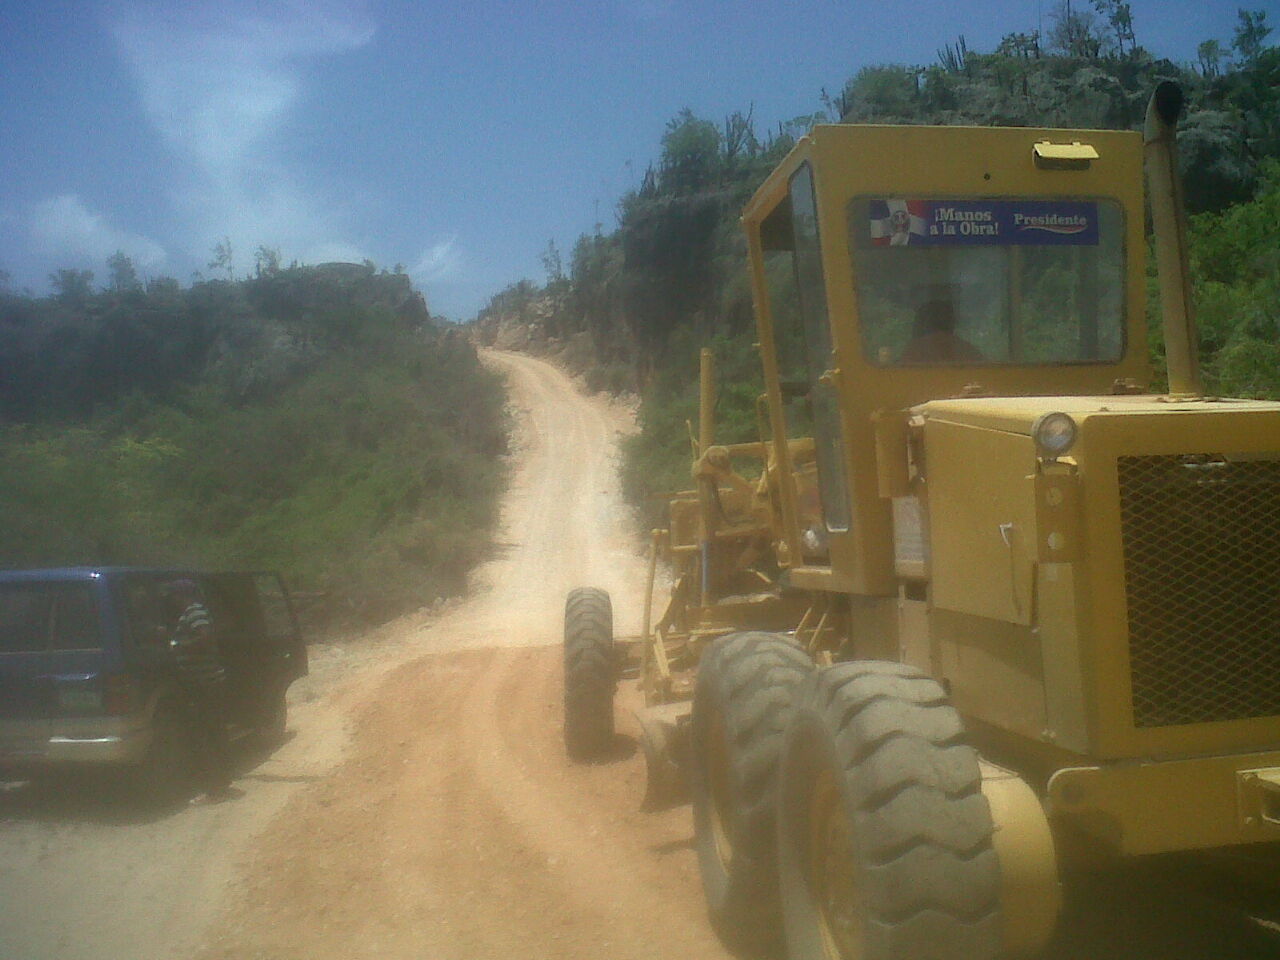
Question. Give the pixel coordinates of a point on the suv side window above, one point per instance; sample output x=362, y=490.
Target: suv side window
x=282, y=627
x=145, y=614
x=38, y=617
x=75, y=624
x=24, y=618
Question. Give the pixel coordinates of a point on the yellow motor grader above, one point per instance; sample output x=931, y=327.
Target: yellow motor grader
x=978, y=605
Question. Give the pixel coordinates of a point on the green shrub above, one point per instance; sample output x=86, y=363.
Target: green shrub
x=368, y=474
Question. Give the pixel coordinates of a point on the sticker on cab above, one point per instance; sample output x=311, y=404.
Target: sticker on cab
x=900, y=223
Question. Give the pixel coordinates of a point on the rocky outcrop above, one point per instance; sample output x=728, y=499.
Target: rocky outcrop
x=524, y=326
x=528, y=325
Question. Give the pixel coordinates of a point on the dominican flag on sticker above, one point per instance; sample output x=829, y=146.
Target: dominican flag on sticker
x=896, y=223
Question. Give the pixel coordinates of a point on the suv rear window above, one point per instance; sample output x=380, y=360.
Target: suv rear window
x=35, y=617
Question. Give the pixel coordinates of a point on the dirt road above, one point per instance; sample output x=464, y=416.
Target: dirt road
x=424, y=792
x=425, y=809
x=455, y=828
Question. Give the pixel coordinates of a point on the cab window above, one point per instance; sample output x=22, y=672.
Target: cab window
x=979, y=282
x=802, y=340
x=817, y=336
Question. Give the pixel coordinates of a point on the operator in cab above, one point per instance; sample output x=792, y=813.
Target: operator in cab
x=934, y=338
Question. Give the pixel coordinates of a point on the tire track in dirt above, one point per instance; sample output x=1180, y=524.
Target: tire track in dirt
x=459, y=830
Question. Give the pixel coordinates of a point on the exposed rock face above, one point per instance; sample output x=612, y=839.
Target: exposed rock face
x=537, y=322
x=524, y=328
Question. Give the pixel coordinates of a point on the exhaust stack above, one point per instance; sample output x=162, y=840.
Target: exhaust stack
x=1169, y=219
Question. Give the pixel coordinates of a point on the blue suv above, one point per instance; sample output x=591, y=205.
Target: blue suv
x=87, y=676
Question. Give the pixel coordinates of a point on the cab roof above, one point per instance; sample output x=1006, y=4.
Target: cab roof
x=991, y=161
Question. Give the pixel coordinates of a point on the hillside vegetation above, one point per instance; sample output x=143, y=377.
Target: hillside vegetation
x=633, y=304
x=314, y=420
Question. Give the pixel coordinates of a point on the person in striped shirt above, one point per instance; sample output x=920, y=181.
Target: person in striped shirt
x=202, y=677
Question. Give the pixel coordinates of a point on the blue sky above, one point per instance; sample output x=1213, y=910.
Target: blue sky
x=455, y=138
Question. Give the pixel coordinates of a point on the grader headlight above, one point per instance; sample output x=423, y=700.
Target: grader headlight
x=1054, y=434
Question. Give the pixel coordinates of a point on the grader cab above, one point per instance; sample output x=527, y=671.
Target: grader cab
x=977, y=606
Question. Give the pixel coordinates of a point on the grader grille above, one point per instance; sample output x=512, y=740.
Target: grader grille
x=1201, y=540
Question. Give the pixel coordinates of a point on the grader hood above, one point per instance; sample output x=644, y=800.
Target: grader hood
x=1137, y=563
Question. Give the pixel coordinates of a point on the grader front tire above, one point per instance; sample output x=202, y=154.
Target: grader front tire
x=590, y=674
x=742, y=704
x=884, y=836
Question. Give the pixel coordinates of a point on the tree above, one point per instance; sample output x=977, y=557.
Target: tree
x=553, y=263
x=690, y=154
x=1024, y=46
x=1251, y=34
x=266, y=261
x=739, y=142
x=883, y=92
x=1120, y=18
x=1074, y=32
x=1214, y=157
x=164, y=287
x=72, y=287
x=123, y=277
x=222, y=257
x=954, y=59
x=1209, y=57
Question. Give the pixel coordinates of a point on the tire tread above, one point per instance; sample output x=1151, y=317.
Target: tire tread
x=751, y=678
x=590, y=673
x=922, y=828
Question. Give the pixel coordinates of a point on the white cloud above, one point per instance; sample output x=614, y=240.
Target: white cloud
x=63, y=226
x=218, y=81
x=440, y=261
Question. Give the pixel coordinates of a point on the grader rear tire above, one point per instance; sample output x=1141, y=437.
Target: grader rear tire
x=884, y=836
x=742, y=704
x=590, y=674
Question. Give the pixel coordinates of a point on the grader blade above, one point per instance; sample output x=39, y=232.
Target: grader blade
x=664, y=737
